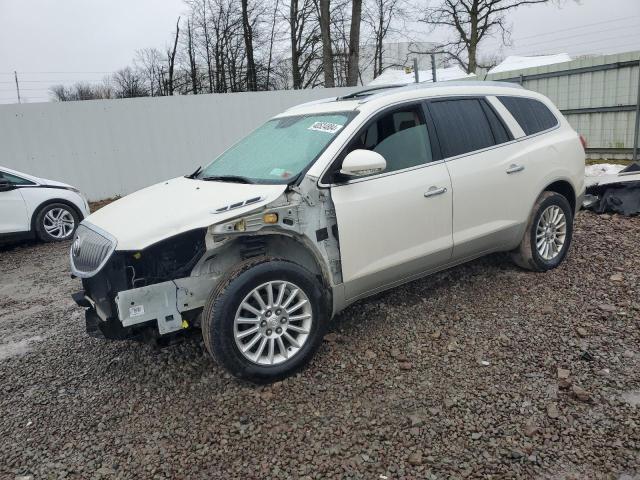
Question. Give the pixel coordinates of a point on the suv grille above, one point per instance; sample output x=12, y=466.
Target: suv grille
x=90, y=250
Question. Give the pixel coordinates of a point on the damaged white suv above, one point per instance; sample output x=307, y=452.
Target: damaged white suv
x=325, y=204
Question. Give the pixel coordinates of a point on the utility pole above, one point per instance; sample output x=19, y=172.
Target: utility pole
x=433, y=68
x=637, y=130
x=15, y=74
x=416, y=74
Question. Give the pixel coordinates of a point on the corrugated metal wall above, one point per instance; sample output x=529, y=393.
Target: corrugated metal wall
x=595, y=94
x=114, y=147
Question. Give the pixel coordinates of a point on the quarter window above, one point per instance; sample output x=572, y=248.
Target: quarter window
x=401, y=137
x=463, y=126
x=532, y=115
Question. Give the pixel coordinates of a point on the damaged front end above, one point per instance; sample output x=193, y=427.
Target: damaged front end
x=160, y=291
x=130, y=294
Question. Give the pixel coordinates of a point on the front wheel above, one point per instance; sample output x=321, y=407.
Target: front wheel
x=56, y=222
x=265, y=320
x=548, y=236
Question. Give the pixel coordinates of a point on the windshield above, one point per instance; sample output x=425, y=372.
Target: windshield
x=279, y=150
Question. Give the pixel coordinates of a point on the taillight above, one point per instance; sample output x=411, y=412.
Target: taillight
x=583, y=141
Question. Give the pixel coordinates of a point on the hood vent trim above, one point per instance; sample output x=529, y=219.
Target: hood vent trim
x=233, y=206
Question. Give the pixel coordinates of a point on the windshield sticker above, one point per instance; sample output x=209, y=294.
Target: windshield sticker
x=325, y=127
x=280, y=172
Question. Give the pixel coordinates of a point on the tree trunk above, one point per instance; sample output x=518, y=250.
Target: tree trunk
x=192, y=60
x=354, y=43
x=295, y=60
x=271, y=41
x=248, y=45
x=472, y=47
x=172, y=58
x=327, y=53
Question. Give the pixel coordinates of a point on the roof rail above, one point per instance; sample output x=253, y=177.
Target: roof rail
x=429, y=84
x=369, y=91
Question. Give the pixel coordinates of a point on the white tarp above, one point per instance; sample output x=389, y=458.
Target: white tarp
x=515, y=62
x=400, y=77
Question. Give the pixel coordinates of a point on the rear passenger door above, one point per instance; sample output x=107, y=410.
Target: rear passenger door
x=488, y=174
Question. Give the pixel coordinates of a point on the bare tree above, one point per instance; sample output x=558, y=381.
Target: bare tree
x=327, y=51
x=305, y=40
x=471, y=21
x=80, y=91
x=272, y=38
x=148, y=62
x=193, y=68
x=171, y=57
x=354, y=43
x=379, y=16
x=248, y=45
x=128, y=84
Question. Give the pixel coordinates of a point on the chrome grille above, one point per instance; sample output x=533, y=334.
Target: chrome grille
x=90, y=250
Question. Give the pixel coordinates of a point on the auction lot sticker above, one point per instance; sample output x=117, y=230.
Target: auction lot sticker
x=325, y=127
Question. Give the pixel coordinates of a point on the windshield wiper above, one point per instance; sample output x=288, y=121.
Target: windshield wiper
x=194, y=174
x=227, y=178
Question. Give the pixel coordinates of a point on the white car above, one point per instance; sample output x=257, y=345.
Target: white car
x=325, y=204
x=32, y=206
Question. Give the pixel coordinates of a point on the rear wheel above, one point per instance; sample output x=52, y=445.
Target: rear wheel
x=56, y=222
x=548, y=236
x=265, y=320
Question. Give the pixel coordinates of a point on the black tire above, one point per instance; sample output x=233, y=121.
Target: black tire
x=41, y=218
x=527, y=255
x=223, y=302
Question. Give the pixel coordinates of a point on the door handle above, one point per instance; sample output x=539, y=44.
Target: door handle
x=433, y=191
x=514, y=168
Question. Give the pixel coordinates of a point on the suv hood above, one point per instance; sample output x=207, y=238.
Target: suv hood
x=176, y=206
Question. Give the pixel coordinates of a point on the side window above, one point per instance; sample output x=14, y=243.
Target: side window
x=463, y=126
x=532, y=115
x=400, y=136
x=13, y=180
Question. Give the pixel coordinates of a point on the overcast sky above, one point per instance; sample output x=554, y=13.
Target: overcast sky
x=86, y=39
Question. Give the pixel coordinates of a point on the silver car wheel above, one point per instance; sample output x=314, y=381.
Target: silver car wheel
x=273, y=322
x=59, y=223
x=551, y=232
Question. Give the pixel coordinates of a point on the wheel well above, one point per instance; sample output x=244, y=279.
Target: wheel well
x=565, y=189
x=44, y=204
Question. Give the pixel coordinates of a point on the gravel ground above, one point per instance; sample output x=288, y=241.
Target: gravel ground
x=481, y=371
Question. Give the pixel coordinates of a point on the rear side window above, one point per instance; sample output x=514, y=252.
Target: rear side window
x=532, y=115
x=463, y=126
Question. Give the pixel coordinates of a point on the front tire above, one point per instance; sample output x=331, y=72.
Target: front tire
x=265, y=319
x=56, y=222
x=548, y=235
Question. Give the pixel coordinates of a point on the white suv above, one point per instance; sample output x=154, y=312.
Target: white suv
x=325, y=204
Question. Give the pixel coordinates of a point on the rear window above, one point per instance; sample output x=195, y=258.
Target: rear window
x=532, y=115
x=463, y=126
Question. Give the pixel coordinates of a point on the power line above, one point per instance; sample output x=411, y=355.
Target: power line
x=578, y=27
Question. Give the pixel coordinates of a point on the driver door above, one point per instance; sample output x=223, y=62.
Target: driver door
x=395, y=225
x=13, y=210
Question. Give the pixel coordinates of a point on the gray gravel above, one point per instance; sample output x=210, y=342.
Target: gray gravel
x=481, y=371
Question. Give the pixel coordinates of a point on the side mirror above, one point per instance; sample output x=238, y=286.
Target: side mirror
x=360, y=163
x=5, y=186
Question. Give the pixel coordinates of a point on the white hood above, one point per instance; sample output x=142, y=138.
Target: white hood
x=175, y=206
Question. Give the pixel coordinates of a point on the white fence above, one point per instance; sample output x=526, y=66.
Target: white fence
x=114, y=147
